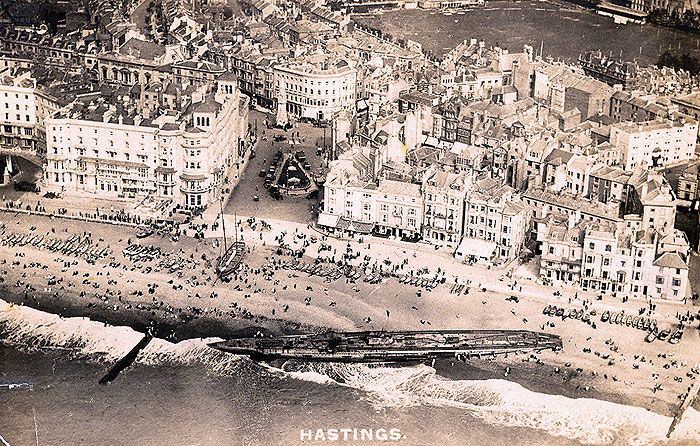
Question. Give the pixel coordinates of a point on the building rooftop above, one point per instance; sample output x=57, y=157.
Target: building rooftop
x=649, y=126
x=142, y=49
x=671, y=260
x=391, y=187
x=571, y=202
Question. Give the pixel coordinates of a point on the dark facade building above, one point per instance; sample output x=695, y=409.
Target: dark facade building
x=609, y=70
x=626, y=107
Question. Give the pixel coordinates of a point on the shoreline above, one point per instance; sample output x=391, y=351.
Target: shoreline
x=248, y=304
x=532, y=376
x=536, y=377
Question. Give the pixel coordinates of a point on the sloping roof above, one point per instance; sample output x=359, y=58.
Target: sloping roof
x=404, y=188
x=209, y=105
x=670, y=260
x=558, y=156
x=142, y=49
x=228, y=76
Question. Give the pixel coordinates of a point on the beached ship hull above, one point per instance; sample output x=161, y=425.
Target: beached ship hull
x=391, y=346
x=229, y=262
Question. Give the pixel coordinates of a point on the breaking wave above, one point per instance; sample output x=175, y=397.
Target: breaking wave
x=31, y=330
x=505, y=403
x=495, y=401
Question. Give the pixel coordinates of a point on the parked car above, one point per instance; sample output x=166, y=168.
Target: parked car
x=26, y=186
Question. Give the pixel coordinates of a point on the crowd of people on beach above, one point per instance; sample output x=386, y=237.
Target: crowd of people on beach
x=331, y=268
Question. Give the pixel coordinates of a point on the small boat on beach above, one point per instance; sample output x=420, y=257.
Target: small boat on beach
x=231, y=259
x=605, y=316
x=663, y=335
x=651, y=337
x=676, y=337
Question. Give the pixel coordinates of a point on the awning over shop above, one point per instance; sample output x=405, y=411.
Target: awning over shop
x=355, y=226
x=328, y=220
x=473, y=247
x=364, y=228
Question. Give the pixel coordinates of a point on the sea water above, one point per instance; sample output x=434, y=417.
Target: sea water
x=188, y=393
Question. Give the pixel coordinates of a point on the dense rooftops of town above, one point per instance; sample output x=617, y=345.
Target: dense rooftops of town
x=170, y=105
x=692, y=99
x=98, y=108
x=317, y=63
x=569, y=201
x=650, y=126
x=38, y=37
x=597, y=59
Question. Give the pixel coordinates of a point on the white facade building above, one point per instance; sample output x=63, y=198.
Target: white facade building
x=654, y=143
x=444, y=194
x=608, y=258
x=96, y=147
x=315, y=87
x=494, y=214
x=23, y=109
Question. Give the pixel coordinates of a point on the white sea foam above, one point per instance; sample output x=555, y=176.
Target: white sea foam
x=29, y=329
x=495, y=401
x=506, y=403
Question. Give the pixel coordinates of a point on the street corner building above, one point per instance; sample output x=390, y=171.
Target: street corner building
x=162, y=139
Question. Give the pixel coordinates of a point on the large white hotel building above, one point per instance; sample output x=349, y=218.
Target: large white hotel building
x=158, y=142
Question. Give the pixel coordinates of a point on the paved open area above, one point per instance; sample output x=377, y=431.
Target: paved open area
x=302, y=136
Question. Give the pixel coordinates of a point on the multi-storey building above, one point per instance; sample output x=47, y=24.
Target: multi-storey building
x=194, y=72
x=139, y=61
x=610, y=258
x=611, y=71
x=607, y=184
x=624, y=106
x=654, y=143
x=104, y=147
x=23, y=109
x=399, y=209
x=443, y=196
x=564, y=89
x=688, y=183
x=494, y=214
x=315, y=87
x=562, y=250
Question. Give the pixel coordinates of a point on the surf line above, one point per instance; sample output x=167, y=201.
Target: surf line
x=127, y=360
x=4, y=442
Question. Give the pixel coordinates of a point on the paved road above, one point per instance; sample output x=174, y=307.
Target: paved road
x=297, y=209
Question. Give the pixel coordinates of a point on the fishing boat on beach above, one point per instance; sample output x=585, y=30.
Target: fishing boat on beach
x=232, y=256
x=231, y=259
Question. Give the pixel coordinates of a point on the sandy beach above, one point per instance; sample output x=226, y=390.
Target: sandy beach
x=607, y=362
